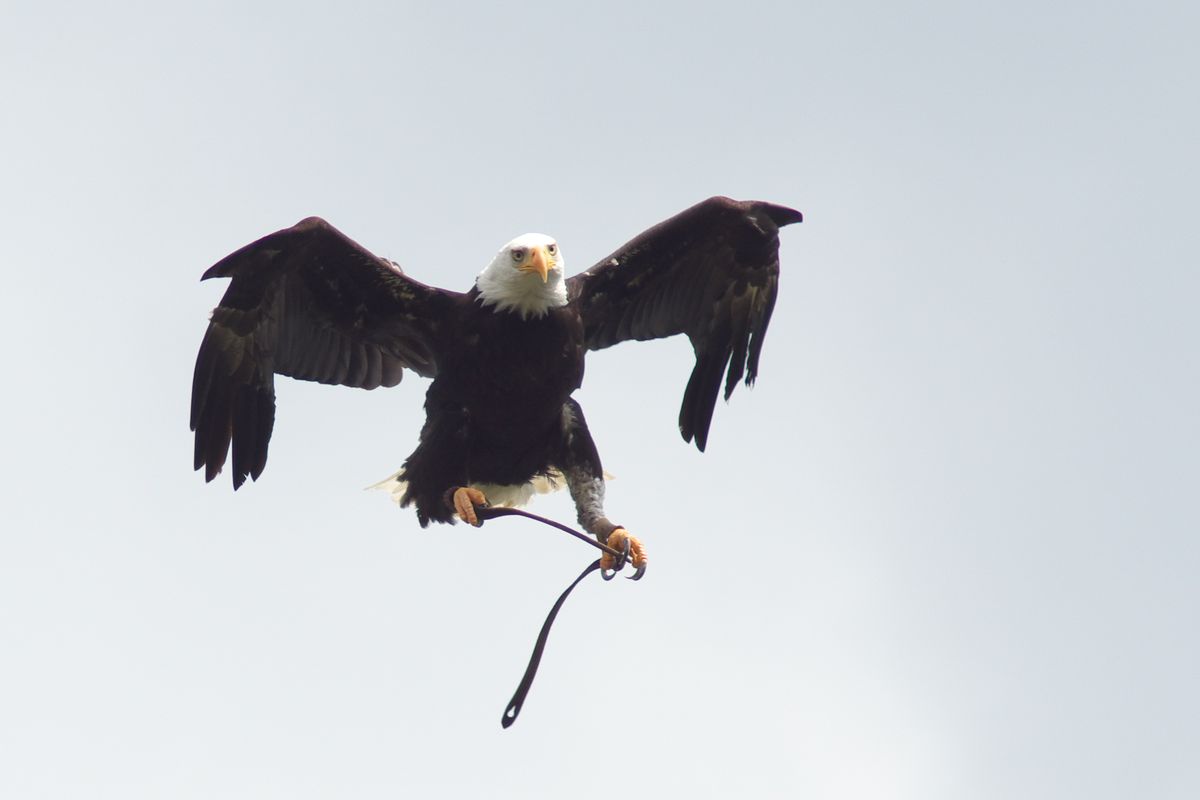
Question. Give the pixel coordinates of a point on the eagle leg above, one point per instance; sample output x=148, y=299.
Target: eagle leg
x=585, y=479
x=632, y=551
x=465, y=501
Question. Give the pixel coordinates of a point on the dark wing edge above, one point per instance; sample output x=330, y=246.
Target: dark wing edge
x=309, y=303
x=710, y=272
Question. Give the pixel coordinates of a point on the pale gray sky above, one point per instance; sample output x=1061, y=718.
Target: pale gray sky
x=945, y=549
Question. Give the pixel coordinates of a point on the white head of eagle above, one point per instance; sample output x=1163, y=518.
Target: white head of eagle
x=525, y=277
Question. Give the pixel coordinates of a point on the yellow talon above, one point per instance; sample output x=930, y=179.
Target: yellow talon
x=465, y=500
x=616, y=540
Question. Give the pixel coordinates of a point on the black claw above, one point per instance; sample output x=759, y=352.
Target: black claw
x=624, y=559
x=637, y=576
x=618, y=563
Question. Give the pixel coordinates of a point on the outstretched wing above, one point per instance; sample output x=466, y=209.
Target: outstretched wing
x=711, y=272
x=309, y=303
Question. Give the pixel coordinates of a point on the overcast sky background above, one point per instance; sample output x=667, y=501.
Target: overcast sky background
x=946, y=548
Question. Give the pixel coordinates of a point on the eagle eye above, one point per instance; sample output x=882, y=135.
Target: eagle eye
x=518, y=254
x=552, y=248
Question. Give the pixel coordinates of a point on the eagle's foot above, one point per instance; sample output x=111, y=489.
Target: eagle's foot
x=465, y=501
x=631, y=551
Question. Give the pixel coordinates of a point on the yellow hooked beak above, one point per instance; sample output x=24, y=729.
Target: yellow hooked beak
x=538, y=261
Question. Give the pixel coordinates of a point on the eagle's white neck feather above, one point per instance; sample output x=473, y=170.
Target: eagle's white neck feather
x=508, y=289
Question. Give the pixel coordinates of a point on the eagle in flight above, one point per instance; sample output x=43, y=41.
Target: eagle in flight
x=504, y=357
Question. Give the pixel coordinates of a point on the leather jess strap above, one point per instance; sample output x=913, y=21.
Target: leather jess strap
x=518, y=698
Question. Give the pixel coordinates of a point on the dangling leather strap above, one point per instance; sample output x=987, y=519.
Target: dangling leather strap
x=518, y=699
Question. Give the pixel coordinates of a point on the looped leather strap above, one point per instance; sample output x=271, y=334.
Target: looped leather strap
x=491, y=512
x=518, y=698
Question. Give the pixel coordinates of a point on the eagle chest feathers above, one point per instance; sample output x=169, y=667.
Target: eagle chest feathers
x=513, y=375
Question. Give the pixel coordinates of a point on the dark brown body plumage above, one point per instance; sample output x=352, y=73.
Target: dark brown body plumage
x=495, y=411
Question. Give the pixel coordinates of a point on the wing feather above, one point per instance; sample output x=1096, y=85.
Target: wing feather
x=710, y=272
x=310, y=303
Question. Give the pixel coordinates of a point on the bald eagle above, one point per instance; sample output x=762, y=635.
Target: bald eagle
x=504, y=357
